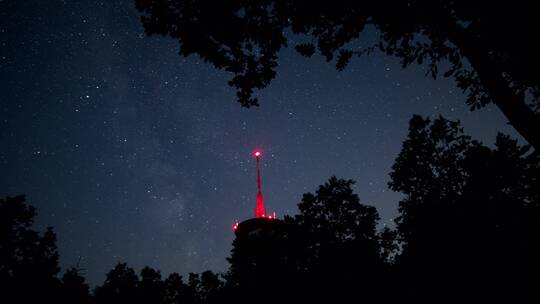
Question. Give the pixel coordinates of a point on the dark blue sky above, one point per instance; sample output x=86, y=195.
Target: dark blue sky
x=133, y=153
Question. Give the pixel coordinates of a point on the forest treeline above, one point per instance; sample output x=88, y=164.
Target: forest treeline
x=468, y=229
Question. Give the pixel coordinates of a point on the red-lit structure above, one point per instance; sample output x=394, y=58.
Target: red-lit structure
x=260, y=209
x=259, y=249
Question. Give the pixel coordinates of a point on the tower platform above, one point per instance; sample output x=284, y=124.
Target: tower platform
x=258, y=227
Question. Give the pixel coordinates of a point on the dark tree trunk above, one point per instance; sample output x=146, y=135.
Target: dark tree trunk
x=524, y=119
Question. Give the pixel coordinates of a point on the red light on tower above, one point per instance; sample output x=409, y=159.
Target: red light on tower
x=260, y=211
x=261, y=217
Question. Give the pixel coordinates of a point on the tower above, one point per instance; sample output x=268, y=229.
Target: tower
x=260, y=210
x=259, y=249
x=261, y=218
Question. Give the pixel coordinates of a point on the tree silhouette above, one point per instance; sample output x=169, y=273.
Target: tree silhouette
x=176, y=291
x=203, y=288
x=470, y=218
x=261, y=263
x=492, y=61
x=151, y=289
x=28, y=259
x=123, y=285
x=73, y=288
x=334, y=214
x=120, y=286
x=331, y=250
x=211, y=286
x=341, y=241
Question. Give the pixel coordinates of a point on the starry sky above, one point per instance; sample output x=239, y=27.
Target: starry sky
x=135, y=154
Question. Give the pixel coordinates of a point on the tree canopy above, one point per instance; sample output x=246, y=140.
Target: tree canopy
x=331, y=250
x=489, y=49
x=27, y=258
x=469, y=221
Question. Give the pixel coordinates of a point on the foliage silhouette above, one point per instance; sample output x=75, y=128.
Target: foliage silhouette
x=151, y=289
x=341, y=241
x=262, y=262
x=470, y=220
x=330, y=250
x=120, y=286
x=176, y=291
x=74, y=288
x=491, y=60
x=123, y=285
x=29, y=260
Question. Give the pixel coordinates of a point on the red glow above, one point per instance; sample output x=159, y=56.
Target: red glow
x=260, y=211
x=257, y=153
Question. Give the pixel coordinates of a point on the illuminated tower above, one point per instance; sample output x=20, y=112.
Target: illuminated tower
x=260, y=211
x=261, y=218
x=259, y=249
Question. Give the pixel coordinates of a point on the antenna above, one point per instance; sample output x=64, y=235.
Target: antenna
x=260, y=211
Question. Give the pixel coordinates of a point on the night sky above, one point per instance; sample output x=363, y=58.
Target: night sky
x=133, y=153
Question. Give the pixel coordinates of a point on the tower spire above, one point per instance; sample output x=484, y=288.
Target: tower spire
x=260, y=211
